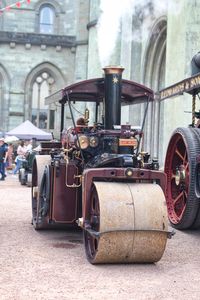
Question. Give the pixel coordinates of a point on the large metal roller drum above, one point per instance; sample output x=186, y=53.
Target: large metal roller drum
x=132, y=221
x=39, y=164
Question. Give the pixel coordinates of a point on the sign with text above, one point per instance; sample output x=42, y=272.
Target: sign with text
x=189, y=85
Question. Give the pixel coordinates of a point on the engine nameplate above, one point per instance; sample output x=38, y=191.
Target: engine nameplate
x=128, y=142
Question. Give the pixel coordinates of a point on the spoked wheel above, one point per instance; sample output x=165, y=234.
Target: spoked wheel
x=180, y=163
x=39, y=191
x=125, y=223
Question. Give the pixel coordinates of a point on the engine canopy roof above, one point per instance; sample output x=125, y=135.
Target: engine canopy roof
x=92, y=90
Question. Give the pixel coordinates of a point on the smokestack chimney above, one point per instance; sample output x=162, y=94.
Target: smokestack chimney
x=113, y=86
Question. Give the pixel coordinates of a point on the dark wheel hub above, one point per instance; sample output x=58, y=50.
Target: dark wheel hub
x=180, y=176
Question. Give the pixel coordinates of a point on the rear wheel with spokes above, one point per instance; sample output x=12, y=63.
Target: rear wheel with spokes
x=180, y=164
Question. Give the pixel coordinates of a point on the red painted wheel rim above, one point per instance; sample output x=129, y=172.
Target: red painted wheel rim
x=178, y=178
x=93, y=216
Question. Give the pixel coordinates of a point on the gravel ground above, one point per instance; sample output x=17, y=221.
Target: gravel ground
x=52, y=265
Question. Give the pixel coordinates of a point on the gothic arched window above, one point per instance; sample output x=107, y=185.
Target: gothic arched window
x=42, y=87
x=47, y=19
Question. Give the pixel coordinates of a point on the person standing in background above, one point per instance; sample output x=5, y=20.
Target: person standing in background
x=3, y=157
x=9, y=161
x=29, y=146
x=21, y=155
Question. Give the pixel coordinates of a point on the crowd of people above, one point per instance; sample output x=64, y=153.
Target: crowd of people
x=8, y=156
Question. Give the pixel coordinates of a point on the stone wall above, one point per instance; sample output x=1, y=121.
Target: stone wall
x=24, y=52
x=182, y=43
x=154, y=43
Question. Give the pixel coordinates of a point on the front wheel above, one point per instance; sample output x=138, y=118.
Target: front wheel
x=125, y=223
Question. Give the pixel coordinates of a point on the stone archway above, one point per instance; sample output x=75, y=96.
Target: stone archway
x=154, y=77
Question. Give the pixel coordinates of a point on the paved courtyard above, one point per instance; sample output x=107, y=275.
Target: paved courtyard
x=52, y=264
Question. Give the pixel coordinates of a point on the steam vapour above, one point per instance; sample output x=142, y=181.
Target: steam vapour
x=109, y=26
x=112, y=12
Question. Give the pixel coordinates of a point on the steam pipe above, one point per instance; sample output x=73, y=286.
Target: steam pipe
x=62, y=119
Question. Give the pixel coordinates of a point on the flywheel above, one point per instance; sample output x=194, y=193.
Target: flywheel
x=127, y=223
x=180, y=164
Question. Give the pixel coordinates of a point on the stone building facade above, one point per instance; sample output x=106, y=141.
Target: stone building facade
x=48, y=44
x=156, y=41
x=40, y=44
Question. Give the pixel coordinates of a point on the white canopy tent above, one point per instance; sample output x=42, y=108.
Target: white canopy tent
x=27, y=130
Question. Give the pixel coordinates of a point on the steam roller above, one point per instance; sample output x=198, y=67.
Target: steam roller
x=99, y=177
